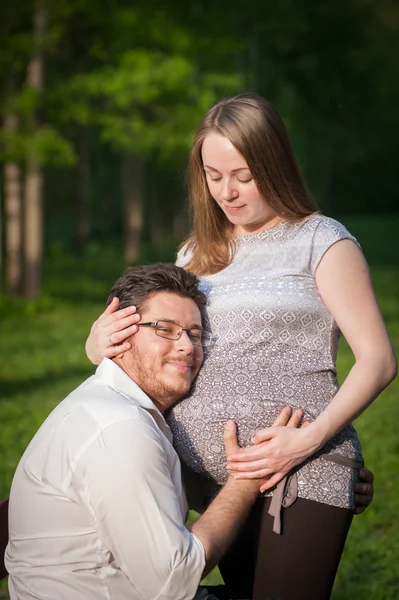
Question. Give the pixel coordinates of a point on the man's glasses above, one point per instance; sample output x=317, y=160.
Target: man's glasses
x=173, y=331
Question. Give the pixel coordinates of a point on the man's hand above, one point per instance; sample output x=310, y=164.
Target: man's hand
x=231, y=446
x=364, y=490
x=230, y=438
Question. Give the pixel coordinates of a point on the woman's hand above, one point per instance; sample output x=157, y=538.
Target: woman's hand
x=364, y=490
x=276, y=451
x=109, y=333
x=258, y=461
x=286, y=418
x=255, y=462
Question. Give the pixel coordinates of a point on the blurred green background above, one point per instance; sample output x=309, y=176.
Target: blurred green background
x=99, y=101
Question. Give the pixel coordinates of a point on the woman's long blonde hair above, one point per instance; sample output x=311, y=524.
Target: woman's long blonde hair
x=257, y=131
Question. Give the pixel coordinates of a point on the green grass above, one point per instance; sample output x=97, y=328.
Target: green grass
x=42, y=359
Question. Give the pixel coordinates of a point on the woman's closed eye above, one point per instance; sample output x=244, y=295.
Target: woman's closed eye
x=216, y=179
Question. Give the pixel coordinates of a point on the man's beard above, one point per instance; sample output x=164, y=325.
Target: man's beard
x=162, y=394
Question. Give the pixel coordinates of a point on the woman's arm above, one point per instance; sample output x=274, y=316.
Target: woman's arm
x=109, y=333
x=344, y=284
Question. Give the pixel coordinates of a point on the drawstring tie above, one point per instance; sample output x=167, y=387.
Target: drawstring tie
x=286, y=491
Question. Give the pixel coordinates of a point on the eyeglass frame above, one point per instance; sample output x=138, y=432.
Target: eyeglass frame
x=154, y=324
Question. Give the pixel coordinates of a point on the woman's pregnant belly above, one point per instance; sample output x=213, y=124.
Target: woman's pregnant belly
x=250, y=390
x=198, y=430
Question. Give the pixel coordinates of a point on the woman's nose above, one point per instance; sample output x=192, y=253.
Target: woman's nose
x=228, y=191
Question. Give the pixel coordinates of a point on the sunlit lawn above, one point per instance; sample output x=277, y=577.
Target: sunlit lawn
x=42, y=359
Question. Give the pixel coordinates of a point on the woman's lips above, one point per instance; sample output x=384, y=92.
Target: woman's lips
x=233, y=209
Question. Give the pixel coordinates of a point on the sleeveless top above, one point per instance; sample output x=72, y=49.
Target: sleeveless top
x=275, y=344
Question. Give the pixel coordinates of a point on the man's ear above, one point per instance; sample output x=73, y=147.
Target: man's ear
x=118, y=358
x=130, y=341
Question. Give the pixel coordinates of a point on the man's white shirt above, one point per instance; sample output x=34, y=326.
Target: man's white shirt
x=97, y=506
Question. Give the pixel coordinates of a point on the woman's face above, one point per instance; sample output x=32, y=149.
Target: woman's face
x=232, y=186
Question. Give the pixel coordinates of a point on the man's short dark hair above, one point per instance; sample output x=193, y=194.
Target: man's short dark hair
x=138, y=284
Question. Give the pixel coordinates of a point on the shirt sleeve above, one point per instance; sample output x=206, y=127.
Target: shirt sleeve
x=125, y=480
x=326, y=233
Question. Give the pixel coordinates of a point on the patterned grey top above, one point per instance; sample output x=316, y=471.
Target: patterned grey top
x=275, y=344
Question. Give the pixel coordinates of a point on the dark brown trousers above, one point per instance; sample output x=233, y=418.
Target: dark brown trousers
x=299, y=564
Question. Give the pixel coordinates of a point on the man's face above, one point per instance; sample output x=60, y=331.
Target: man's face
x=163, y=368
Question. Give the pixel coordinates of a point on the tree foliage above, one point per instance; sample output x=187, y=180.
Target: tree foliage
x=133, y=79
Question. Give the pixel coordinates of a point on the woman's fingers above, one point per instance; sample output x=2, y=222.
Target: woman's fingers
x=289, y=417
x=295, y=419
x=259, y=474
x=117, y=350
x=109, y=333
x=111, y=322
x=272, y=482
x=255, y=465
x=263, y=435
x=248, y=454
x=111, y=308
x=120, y=331
x=284, y=417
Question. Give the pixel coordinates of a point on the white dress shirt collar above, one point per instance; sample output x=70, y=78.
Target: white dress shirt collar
x=114, y=376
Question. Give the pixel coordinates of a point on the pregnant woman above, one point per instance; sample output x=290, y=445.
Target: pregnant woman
x=281, y=282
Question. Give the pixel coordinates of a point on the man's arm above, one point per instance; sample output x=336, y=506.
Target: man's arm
x=220, y=523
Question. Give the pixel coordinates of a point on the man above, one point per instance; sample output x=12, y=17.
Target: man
x=97, y=507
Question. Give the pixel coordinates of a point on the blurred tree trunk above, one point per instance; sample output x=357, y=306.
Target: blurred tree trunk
x=1, y=243
x=33, y=231
x=132, y=189
x=13, y=217
x=83, y=208
x=33, y=247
